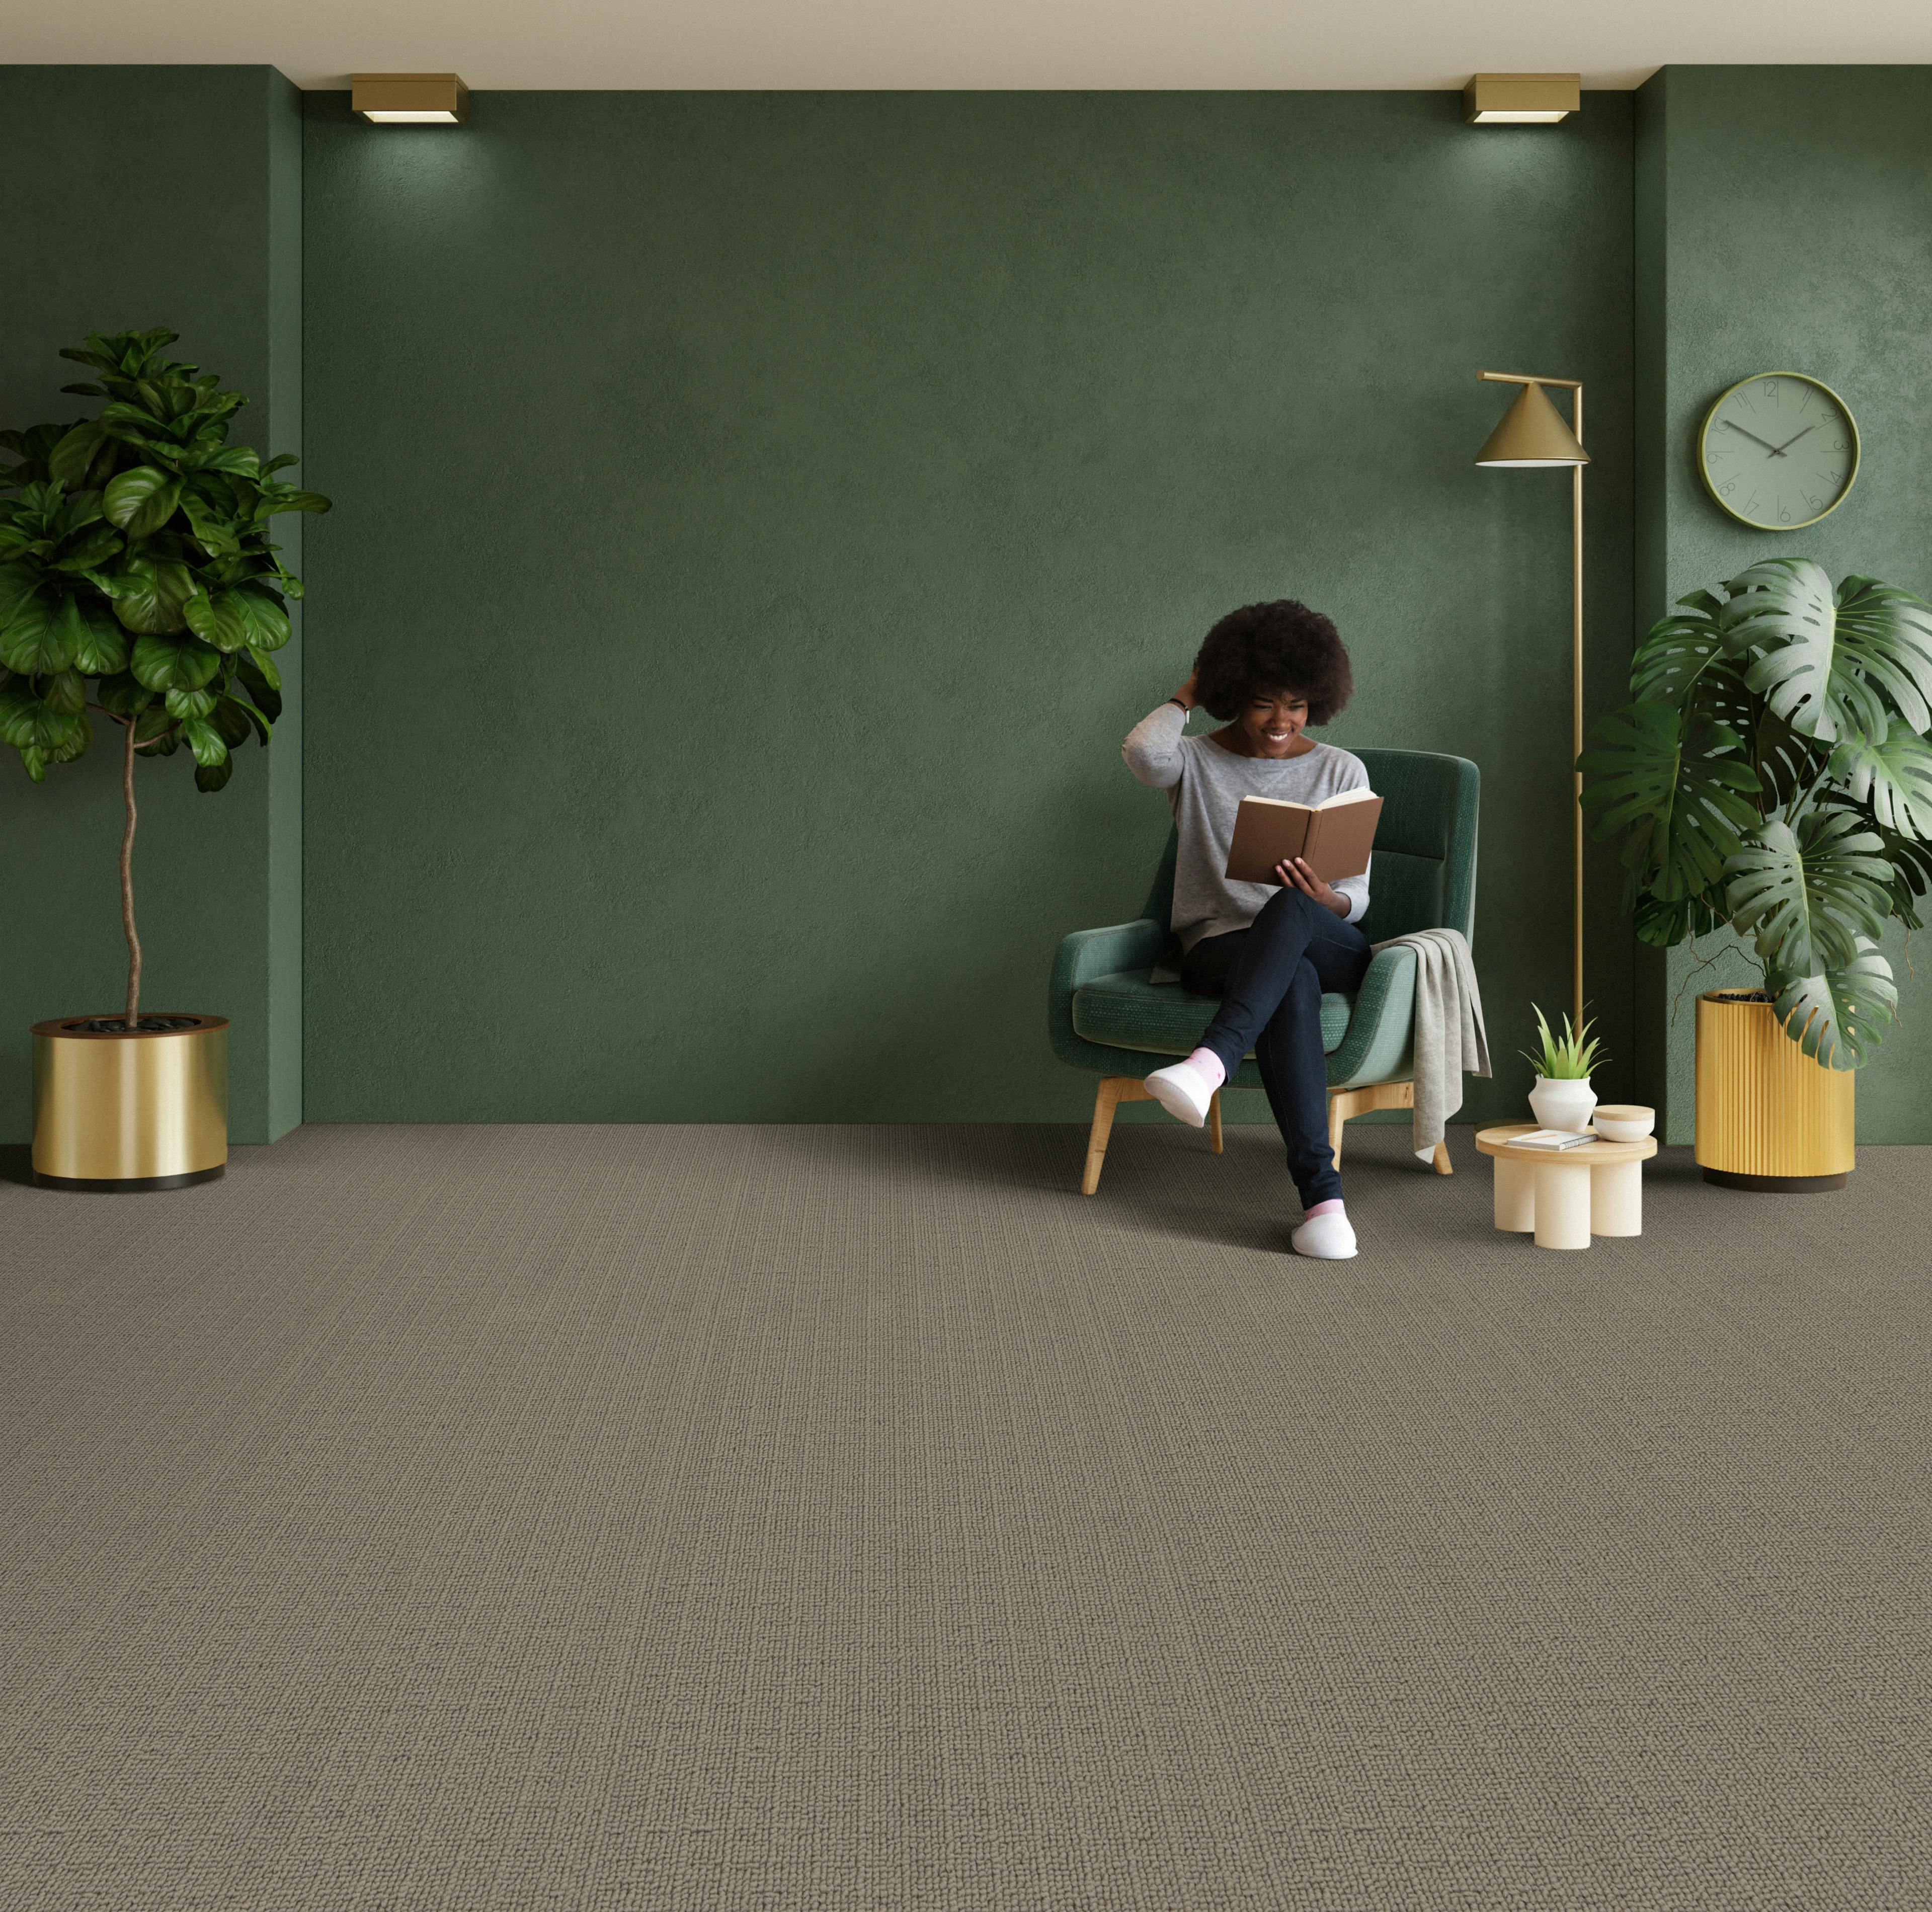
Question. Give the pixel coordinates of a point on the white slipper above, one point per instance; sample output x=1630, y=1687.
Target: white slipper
x=1182, y=1091
x=1325, y=1238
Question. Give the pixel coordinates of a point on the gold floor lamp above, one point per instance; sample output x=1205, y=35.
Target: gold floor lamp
x=1532, y=435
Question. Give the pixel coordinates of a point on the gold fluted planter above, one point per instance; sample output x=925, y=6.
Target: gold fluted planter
x=1768, y=1116
x=115, y=1112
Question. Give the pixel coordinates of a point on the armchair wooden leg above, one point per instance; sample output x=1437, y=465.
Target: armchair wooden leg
x=1214, y=1123
x=1343, y=1103
x=1108, y=1094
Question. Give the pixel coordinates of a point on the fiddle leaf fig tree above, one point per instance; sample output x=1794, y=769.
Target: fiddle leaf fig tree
x=137, y=580
x=1774, y=774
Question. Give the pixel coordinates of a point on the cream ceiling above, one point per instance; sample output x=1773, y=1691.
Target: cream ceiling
x=917, y=44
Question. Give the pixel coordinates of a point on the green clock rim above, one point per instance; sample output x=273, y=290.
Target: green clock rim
x=1704, y=469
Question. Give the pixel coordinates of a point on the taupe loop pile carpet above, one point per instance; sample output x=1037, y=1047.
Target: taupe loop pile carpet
x=724, y=1519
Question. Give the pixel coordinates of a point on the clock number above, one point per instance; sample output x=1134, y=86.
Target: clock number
x=1783, y=515
x=1771, y=388
x=1816, y=504
x=1729, y=485
x=1839, y=445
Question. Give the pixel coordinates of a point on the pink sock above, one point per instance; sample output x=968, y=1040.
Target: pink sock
x=1334, y=1206
x=1209, y=1063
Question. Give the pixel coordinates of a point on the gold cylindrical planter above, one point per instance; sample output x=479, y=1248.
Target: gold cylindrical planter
x=1769, y=1117
x=114, y=1112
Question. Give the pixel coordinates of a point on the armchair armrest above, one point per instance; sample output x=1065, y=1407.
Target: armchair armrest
x=1081, y=957
x=1380, y=1045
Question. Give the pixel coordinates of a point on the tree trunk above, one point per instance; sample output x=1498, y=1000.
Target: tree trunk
x=127, y=888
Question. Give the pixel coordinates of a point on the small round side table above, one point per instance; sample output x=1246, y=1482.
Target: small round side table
x=1567, y=1195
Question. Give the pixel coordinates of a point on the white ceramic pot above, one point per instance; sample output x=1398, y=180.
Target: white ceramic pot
x=1561, y=1102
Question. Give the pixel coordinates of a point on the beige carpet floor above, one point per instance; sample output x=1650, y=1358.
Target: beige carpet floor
x=798, y=1518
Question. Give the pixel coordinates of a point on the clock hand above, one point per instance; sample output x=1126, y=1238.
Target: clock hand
x=1789, y=441
x=1756, y=440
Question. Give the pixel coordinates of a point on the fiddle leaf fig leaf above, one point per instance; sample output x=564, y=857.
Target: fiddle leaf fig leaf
x=263, y=680
x=141, y=500
x=94, y=643
x=29, y=722
x=30, y=639
x=237, y=720
x=1894, y=776
x=204, y=741
x=174, y=663
x=69, y=459
x=191, y=703
x=123, y=695
x=1838, y=1016
x=66, y=691
x=1808, y=896
x=210, y=777
x=151, y=594
x=267, y=620
x=221, y=620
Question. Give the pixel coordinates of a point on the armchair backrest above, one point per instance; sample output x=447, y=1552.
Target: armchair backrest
x=1424, y=876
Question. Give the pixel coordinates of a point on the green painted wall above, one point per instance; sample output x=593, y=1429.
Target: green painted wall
x=761, y=517
x=1782, y=224
x=138, y=196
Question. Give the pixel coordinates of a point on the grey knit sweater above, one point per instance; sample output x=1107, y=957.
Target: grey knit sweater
x=1205, y=784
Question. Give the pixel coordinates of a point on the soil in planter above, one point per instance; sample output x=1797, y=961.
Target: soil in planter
x=117, y=1025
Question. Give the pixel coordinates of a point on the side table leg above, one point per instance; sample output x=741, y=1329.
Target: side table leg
x=1562, y=1204
x=1516, y=1196
x=1616, y=1198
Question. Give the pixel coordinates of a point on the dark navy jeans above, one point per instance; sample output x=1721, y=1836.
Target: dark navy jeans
x=1269, y=977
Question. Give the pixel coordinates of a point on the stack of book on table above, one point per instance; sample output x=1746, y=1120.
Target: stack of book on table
x=1553, y=1138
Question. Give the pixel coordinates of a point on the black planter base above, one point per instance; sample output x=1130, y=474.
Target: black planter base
x=135, y=1185
x=1777, y=1184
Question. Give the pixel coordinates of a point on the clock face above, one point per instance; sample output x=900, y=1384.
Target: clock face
x=1779, y=450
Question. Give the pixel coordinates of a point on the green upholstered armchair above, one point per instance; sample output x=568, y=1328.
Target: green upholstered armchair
x=1104, y=1013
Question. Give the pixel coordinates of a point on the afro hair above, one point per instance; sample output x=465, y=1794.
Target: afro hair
x=1279, y=647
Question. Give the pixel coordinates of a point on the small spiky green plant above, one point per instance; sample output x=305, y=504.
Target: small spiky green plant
x=1569, y=1060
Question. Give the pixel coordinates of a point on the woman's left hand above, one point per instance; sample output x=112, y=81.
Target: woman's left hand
x=1296, y=875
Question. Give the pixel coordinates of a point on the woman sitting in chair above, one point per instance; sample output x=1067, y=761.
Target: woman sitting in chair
x=1267, y=670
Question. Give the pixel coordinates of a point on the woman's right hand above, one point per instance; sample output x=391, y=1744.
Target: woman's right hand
x=1185, y=693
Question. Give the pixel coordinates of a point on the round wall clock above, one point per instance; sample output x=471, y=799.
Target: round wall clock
x=1778, y=450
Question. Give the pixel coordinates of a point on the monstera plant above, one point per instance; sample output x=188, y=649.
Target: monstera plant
x=137, y=581
x=1774, y=774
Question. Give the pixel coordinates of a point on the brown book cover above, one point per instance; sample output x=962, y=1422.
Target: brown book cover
x=1335, y=836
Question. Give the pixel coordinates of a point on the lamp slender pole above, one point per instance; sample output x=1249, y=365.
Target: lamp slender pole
x=1577, y=690
x=1575, y=388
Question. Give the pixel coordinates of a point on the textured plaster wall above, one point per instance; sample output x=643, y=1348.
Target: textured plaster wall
x=761, y=517
x=1783, y=225
x=140, y=196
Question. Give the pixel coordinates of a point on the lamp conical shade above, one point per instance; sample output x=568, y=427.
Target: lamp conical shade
x=1532, y=433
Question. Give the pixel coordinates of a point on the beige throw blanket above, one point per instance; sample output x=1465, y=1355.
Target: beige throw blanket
x=1449, y=1039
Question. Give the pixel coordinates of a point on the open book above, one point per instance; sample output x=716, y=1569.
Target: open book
x=1335, y=835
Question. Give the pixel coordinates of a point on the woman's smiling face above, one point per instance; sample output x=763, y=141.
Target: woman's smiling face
x=1271, y=723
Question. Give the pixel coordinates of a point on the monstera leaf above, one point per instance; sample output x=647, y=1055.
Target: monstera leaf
x=1680, y=784
x=1809, y=895
x=1662, y=924
x=1682, y=650
x=1828, y=662
x=1894, y=776
x=1838, y=1015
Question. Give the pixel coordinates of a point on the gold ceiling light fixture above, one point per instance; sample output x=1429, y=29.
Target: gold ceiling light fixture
x=1522, y=99
x=410, y=99
x=1533, y=434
